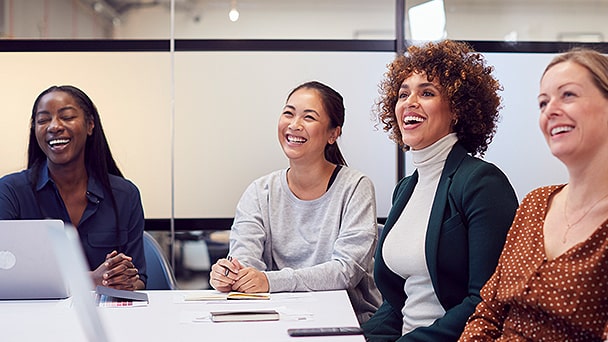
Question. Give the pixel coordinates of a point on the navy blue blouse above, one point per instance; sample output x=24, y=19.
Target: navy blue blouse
x=101, y=230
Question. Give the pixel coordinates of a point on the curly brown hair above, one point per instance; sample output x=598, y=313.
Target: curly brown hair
x=464, y=79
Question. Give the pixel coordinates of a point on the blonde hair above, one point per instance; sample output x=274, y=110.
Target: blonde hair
x=595, y=62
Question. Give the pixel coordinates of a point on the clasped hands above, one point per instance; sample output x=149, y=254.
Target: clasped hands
x=117, y=271
x=230, y=275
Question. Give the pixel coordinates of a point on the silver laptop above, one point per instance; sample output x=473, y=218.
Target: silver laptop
x=74, y=269
x=29, y=268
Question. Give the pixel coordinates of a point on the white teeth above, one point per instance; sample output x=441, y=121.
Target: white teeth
x=58, y=142
x=293, y=139
x=561, y=129
x=411, y=119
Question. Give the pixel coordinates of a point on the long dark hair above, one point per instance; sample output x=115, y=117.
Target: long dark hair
x=102, y=162
x=333, y=104
x=97, y=156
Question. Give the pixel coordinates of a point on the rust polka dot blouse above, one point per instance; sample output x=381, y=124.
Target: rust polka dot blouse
x=530, y=298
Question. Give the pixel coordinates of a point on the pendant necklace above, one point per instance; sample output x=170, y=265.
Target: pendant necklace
x=571, y=225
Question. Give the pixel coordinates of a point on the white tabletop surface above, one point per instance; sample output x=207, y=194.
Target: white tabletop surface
x=168, y=317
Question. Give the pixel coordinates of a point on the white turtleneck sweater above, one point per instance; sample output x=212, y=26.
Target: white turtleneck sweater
x=404, y=247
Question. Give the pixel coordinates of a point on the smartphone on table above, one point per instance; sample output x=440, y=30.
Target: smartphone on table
x=327, y=331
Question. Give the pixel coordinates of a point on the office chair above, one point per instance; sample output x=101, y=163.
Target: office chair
x=160, y=274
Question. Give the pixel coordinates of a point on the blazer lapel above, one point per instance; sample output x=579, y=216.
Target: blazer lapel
x=437, y=211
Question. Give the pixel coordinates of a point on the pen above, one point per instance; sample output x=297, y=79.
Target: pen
x=227, y=269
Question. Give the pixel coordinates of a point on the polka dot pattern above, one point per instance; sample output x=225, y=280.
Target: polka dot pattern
x=531, y=298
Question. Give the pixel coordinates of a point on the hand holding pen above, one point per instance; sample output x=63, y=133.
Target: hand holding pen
x=244, y=279
x=224, y=273
x=227, y=272
x=232, y=266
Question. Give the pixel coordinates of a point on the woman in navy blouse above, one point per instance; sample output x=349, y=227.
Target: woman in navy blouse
x=72, y=176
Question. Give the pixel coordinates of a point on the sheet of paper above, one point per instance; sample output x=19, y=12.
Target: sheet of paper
x=213, y=296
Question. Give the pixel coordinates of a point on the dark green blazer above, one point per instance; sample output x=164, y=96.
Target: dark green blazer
x=472, y=211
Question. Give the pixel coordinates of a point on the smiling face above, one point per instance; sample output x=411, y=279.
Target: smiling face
x=423, y=114
x=304, y=127
x=573, y=113
x=61, y=129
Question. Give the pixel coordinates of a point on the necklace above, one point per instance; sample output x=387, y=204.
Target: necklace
x=571, y=225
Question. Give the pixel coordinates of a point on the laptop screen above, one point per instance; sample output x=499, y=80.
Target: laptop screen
x=42, y=259
x=29, y=268
x=75, y=272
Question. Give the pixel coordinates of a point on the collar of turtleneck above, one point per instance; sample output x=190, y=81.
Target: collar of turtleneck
x=433, y=156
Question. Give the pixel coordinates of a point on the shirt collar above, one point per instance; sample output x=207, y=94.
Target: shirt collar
x=44, y=177
x=94, y=188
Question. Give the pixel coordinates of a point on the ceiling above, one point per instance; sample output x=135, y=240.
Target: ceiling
x=121, y=6
x=115, y=8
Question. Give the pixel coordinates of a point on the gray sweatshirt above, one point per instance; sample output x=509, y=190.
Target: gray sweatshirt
x=323, y=244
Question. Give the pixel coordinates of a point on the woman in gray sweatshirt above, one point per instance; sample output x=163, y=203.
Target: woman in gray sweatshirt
x=312, y=226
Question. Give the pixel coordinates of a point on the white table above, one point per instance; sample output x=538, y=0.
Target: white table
x=169, y=317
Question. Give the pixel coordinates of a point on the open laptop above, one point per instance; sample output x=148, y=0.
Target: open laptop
x=43, y=259
x=74, y=270
x=29, y=268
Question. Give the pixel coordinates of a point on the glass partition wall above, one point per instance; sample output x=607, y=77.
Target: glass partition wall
x=193, y=125
x=189, y=91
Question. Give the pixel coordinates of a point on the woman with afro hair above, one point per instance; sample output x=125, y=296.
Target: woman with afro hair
x=450, y=217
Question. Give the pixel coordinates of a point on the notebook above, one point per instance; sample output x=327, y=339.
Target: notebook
x=244, y=316
x=29, y=268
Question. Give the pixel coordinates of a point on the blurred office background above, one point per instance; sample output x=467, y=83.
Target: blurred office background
x=492, y=20
x=189, y=90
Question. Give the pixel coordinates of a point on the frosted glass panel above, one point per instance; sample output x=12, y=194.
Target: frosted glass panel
x=519, y=148
x=228, y=105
